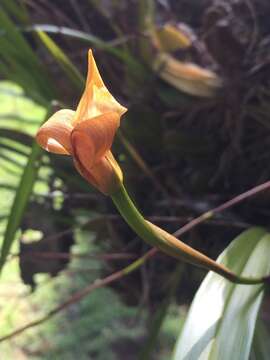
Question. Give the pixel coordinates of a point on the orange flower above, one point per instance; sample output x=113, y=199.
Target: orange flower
x=87, y=134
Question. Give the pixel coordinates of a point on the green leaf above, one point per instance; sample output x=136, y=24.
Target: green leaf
x=17, y=57
x=133, y=64
x=16, y=8
x=260, y=345
x=21, y=199
x=62, y=59
x=221, y=321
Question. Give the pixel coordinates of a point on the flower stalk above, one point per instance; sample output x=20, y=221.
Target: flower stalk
x=169, y=244
x=87, y=135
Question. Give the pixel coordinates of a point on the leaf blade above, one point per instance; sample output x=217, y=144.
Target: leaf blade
x=22, y=196
x=220, y=324
x=58, y=54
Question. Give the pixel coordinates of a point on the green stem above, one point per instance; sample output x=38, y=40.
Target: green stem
x=169, y=244
x=146, y=25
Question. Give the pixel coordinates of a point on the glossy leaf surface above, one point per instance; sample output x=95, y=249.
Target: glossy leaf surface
x=221, y=321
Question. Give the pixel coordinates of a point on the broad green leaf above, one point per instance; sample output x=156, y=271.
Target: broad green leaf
x=260, y=345
x=221, y=321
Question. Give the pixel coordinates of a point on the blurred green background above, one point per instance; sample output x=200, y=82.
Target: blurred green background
x=181, y=155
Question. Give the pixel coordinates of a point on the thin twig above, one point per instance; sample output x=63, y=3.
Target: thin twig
x=137, y=263
x=50, y=255
x=211, y=213
x=78, y=296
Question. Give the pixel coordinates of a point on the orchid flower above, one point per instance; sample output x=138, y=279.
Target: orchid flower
x=87, y=134
x=185, y=76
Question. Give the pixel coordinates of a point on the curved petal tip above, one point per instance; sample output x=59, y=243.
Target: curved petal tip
x=54, y=134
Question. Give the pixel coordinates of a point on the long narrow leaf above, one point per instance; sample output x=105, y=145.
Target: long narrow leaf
x=21, y=199
x=16, y=9
x=92, y=40
x=62, y=59
x=17, y=57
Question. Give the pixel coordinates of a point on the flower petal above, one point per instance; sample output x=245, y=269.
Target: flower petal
x=93, y=75
x=92, y=139
x=54, y=134
x=96, y=98
x=105, y=175
x=188, y=77
x=93, y=78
